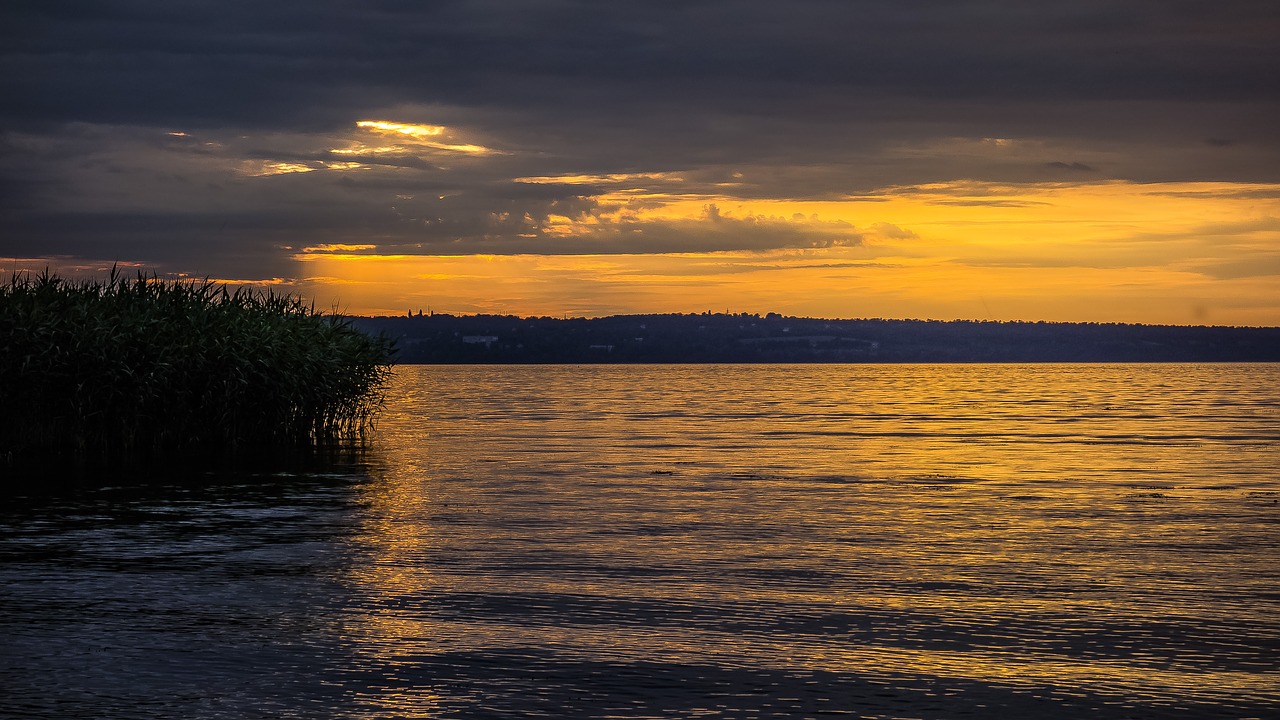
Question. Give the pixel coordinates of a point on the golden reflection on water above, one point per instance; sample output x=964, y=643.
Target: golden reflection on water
x=1101, y=530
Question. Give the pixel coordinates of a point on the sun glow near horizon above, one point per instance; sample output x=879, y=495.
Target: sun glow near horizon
x=1176, y=253
x=1161, y=253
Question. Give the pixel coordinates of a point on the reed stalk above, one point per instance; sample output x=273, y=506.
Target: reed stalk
x=125, y=371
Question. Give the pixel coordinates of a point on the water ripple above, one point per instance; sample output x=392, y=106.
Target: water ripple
x=1051, y=541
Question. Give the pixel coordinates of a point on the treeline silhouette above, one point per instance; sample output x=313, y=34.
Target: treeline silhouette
x=773, y=338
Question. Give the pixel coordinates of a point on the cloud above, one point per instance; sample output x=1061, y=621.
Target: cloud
x=1261, y=265
x=893, y=232
x=1074, y=166
x=582, y=225
x=207, y=137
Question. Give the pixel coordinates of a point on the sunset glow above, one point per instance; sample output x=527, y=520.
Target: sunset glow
x=1073, y=163
x=551, y=358
x=1176, y=253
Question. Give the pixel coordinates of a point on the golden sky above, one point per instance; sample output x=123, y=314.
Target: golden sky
x=1025, y=160
x=1178, y=253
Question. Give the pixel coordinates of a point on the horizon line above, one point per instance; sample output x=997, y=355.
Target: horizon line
x=779, y=316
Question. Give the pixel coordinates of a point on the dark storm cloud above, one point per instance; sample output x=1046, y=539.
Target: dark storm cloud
x=804, y=99
x=245, y=63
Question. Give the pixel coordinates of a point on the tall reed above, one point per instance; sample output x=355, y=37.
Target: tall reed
x=128, y=371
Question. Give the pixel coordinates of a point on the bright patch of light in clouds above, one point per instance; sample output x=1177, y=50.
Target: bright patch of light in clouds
x=420, y=135
x=598, y=179
x=337, y=248
x=265, y=168
x=414, y=131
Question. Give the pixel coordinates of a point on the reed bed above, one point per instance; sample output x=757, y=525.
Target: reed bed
x=122, y=372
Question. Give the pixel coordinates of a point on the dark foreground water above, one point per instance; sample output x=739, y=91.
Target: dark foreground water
x=689, y=541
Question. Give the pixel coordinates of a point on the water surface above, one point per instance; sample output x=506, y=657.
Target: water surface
x=690, y=541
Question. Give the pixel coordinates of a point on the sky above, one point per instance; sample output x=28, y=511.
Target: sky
x=1088, y=161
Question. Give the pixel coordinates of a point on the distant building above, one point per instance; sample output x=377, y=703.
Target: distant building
x=485, y=340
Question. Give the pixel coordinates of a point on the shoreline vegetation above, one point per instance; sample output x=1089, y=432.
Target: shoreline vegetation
x=127, y=373
x=773, y=338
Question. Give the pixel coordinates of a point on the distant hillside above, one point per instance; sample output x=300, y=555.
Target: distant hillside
x=724, y=338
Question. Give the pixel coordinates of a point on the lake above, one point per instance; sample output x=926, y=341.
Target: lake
x=693, y=541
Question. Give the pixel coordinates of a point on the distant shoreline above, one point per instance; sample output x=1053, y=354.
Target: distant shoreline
x=709, y=338
x=496, y=363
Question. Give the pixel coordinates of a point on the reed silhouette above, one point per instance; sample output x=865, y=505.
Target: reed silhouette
x=128, y=371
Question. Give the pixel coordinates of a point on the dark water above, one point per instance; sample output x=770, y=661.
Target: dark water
x=690, y=541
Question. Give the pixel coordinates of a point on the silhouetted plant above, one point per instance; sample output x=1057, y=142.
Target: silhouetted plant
x=117, y=372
